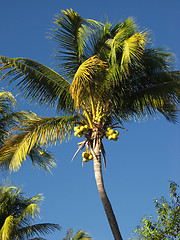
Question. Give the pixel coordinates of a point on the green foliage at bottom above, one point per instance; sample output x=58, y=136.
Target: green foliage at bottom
x=167, y=225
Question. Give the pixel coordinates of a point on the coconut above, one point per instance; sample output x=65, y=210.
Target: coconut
x=81, y=128
x=110, y=137
x=76, y=134
x=85, y=160
x=86, y=155
x=76, y=128
x=111, y=131
x=107, y=134
x=114, y=135
x=90, y=156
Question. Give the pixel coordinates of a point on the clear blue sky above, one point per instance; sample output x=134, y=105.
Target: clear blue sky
x=144, y=159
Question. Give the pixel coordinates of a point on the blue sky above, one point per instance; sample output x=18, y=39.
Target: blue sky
x=146, y=156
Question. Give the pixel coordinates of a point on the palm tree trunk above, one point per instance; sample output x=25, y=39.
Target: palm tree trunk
x=104, y=198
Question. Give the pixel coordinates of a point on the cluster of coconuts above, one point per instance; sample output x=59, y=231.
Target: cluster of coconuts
x=111, y=134
x=80, y=130
x=87, y=156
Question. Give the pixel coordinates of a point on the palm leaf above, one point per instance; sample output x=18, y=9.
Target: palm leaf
x=84, y=84
x=37, y=230
x=41, y=158
x=17, y=212
x=40, y=131
x=81, y=235
x=37, y=81
x=72, y=33
x=6, y=229
x=7, y=102
x=149, y=97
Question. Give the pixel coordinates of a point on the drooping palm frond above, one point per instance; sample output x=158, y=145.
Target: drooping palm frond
x=35, y=132
x=97, y=44
x=86, y=81
x=17, y=213
x=8, y=120
x=71, y=33
x=41, y=229
x=41, y=158
x=6, y=229
x=107, y=40
x=151, y=87
x=38, y=82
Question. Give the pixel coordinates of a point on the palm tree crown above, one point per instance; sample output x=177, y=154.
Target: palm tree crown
x=17, y=213
x=109, y=74
x=80, y=235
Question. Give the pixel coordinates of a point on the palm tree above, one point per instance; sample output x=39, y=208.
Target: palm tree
x=8, y=118
x=109, y=74
x=17, y=213
x=80, y=235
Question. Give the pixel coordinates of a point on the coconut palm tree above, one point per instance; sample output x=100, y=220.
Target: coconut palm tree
x=80, y=235
x=10, y=118
x=18, y=212
x=108, y=75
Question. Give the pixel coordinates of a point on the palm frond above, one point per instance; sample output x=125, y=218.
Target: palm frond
x=151, y=94
x=98, y=43
x=72, y=33
x=32, y=210
x=17, y=212
x=6, y=230
x=84, y=84
x=132, y=50
x=39, y=131
x=126, y=53
x=81, y=235
x=7, y=102
x=38, y=229
x=42, y=158
x=38, y=82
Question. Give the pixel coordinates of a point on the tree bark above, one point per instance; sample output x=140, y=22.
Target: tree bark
x=104, y=198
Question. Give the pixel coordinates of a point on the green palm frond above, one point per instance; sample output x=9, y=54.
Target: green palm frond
x=157, y=60
x=39, y=131
x=41, y=158
x=84, y=84
x=6, y=230
x=125, y=54
x=72, y=33
x=9, y=118
x=144, y=97
x=98, y=42
x=17, y=213
x=132, y=51
x=7, y=102
x=80, y=235
x=37, y=81
x=31, y=210
x=37, y=230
